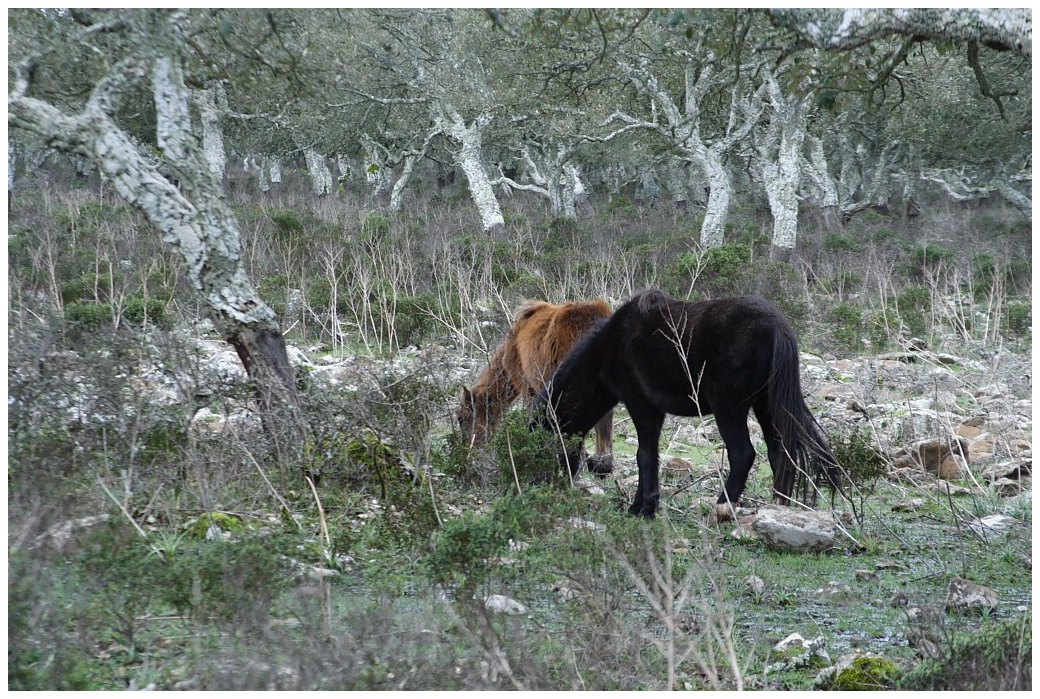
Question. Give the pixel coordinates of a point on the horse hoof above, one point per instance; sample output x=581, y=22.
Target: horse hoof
x=639, y=510
x=601, y=465
x=723, y=512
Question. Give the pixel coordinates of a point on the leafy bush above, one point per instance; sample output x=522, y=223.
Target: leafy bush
x=232, y=580
x=867, y=673
x=88, y=315
x=859, y=456
x=929, y=256
x=139, y=310
x=463, y=548
x=413, y=318
x=997, y=658
x=90, y=286
x=286, y=223
x=1018, y=318
x=914, y=305
x=841, y=243
x=846, y=323
x=374, y=227
x=528, y=455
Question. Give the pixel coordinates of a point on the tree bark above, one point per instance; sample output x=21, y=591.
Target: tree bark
x=469, y=157
x=212, y=102
x=194, y=218
x=682, y=128
x=841, y=30
x=321, y=178
x=781, y=174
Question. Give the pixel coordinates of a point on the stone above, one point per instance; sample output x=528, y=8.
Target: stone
x=1008, y=487
x=835, y=592
x=589, y=487
x=968, y=431
x=786, y=529
x=578, y=523
x=1007, y=469
x=899, y=600
x=925, y=630
x=936, y=456
x=755, y=585
x=796, y=651
x=61, y=536
x=908, y=505
x=980, y=449
x=677, y=463
x=970, y=597
x=991, y=524
x=837, y=392
x=947, y=488
x=500, y=604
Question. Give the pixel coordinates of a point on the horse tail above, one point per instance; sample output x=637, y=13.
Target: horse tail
x=806, y=456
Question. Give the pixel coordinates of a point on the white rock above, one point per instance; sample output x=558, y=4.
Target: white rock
x=790, y=530
x=500, y=604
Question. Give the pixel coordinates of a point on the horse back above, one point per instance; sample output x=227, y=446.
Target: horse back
x=719, y=351
x=544, y=333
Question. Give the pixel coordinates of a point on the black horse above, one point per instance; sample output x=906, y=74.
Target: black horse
x=659, y=356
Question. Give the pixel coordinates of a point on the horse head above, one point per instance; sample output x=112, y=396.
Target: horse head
x=474, y=416
x=544, y=417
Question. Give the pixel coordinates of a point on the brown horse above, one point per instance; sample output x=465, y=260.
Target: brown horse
x=541, y=336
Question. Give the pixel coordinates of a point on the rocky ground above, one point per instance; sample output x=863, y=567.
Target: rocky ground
x=954, y=429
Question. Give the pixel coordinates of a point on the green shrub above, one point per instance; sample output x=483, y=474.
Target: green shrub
x=929, y=256
x=374, y=227
x=414, y=318
x=139, y=310
x=463, y=549
x=621, y=205
x=841, y=243
x=527, y=455
x=233, y=580
x=860, y=457
x=90, y=286
x=286, y=223
x=1018, y=318
x=914, y=305
x=867, y=673
x=846, y=323
x=999, y=657
x=88, y=315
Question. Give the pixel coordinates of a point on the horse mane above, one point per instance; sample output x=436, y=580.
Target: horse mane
x=647, y=301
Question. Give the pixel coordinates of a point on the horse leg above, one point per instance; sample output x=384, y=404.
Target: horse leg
x=779, y=461
x=602, y=462
x=734, y=432
x=648, y=422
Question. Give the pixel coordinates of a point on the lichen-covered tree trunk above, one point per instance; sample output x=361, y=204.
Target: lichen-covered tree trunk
x=194, y=219
x=577, y=192
x=397, y=192
x=682, y=128
x=210, y=102
x=321, y=177
x=843, y=29
x=720, y=190
x=781, y=174
x=818, y=173
x=11, y=162
x=470, y=157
